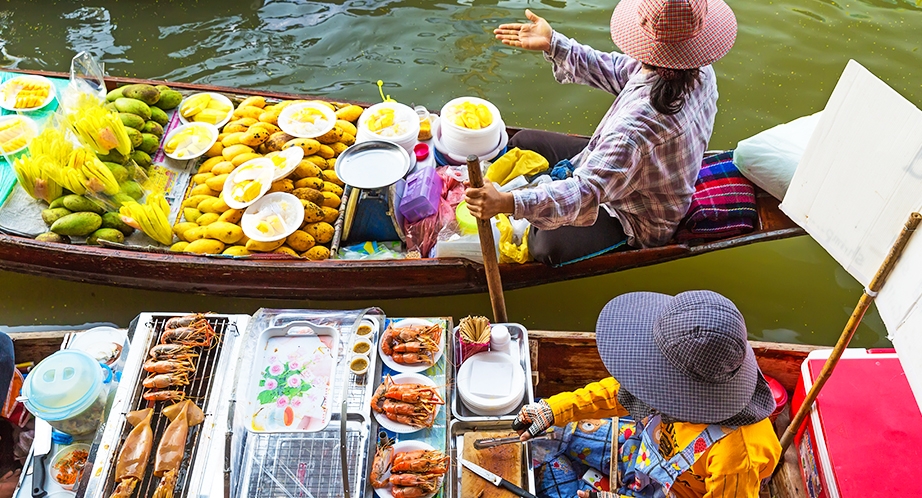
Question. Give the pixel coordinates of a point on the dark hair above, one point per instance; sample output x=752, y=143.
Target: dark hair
x=671, y=88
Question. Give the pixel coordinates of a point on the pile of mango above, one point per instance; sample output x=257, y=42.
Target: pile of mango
x=142, y=109
x=210, y=226
x=74, y=215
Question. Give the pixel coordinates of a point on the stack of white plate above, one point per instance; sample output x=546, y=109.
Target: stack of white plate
x=491, y=384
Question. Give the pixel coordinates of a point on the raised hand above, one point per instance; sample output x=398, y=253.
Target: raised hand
x=535, y=35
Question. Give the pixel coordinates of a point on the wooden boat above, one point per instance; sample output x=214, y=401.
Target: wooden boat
x=563, y=361
x=330, y=279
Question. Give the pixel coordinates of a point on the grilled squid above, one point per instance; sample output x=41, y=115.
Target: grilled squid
x=132, y=460
x=172, y=445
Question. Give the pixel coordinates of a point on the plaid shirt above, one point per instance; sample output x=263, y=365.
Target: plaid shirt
x=640, y=165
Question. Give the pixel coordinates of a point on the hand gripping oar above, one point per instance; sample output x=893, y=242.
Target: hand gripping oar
x=488, y=248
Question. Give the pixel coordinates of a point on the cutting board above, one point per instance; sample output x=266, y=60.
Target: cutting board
x=504, y=461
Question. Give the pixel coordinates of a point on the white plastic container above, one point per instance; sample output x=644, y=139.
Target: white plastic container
x=404, y=131
x=500, y=340
x=68, y=390
x=491, y=383
x=464, y=141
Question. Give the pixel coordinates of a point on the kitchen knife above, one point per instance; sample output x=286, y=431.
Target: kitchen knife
x=492, y=442
x=496, y=480
x=41, y=446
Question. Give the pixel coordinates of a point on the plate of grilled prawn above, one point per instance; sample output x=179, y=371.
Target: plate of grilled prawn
x=412, y=345
x=407, y=469
x=406, y=402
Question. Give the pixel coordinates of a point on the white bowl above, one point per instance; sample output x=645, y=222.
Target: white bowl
x=201, y=147
x=214, y=96
x=10, y=89
x=491, y=383
x=287, y=206
x=61, y=454
x=28, y=128
x=464, y=141
x=404, y=132
x=290, y=124
x=460, y=158
x=260, y=169
x=292, y=155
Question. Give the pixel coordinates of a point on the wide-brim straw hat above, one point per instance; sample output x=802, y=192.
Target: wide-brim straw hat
x=675, y=34
x=687, y=356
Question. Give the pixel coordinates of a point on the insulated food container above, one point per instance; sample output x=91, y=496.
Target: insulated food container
x=68, y=389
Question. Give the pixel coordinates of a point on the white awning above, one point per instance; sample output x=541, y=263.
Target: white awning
x=854, y=189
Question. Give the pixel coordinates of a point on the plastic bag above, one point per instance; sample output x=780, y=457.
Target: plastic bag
x=512, y=240
x=87, y=75
x=372, y=250
x=769, y=158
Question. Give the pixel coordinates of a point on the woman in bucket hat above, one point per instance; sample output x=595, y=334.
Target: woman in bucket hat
x=684, y=372
x=631, y=183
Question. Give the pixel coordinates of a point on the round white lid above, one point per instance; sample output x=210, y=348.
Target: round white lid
x=491, y=381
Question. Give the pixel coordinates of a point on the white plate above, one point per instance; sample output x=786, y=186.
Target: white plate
x=214, y=96
x=7, y=100
x=291, y=126
x=372, y=164
x=291, y=218
x=404, y=447
x=411, y=368
x=406, y=378
x=292, y=155
x=259, y=168
x=436, y=135
x=212, y=134
x=31, y=129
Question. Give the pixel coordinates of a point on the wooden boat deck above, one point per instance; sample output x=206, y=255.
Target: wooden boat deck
x=330, y=279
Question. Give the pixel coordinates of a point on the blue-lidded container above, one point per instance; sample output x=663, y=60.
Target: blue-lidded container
x=422, y=195
x=68, y=390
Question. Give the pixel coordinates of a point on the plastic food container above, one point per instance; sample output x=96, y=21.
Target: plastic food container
x=491, y=384
x=422, y=195
x=108, y=345
x=466, y=221
x=285, y=161
x=213, y=107
x=68, y=390
x=68, y=464
x=273, y=217
x=402, y=128
x=306, y=120
x=189, y=141
x=362, y=346
x=462, y=140
x=359, y=364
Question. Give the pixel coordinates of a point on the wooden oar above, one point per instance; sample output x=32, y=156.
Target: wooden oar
x=863, y=303
x=488, y=248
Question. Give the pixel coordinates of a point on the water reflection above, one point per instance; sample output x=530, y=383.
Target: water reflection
x=91, y=31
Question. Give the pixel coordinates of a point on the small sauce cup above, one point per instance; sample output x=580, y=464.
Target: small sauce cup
x=362, y=346
x=366, y=329
x=359, y=364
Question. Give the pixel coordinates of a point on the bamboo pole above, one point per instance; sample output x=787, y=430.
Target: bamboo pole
x=850, y=327
x=488, y=248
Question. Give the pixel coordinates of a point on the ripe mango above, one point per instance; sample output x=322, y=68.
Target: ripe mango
x=236, y=251
x=143, y=92
x=51, y=215
x=194, y=200
x=194, y=234
x=332, y=187
x=217, y=182
x=347, y=127
x=256, y=246
x=244, y=157
x=308, y=194
x=312, y=213
x=207, y=219
x=248, y=112
x=330, y=214
x=306, y=169
x=300, y=241
x=205, y=246
x=53, y=237
x=286, y=250
x=191, y=214
x=200, y=178
x=215, y=150
x=180, y=228
x=230, y=152
x=317, y=253
x=254, y=136
x=325, y=151
x=228, y=233
x=208, y=164
x=77, y=224
x=223, y=167
x=231, y=215
x=179, y=246
x=349, y=113
x=203, y=190
x=330, y=176
x=330, y=200
x=321, y=231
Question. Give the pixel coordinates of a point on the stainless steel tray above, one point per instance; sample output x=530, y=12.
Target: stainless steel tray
x=519, y=337
x=457, y=431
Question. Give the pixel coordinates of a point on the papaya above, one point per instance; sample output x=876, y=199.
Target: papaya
x=143, y=92
x=133, y=106
x=53, y=237
x=77, y=224
x=153, y=128
x=110, y=234
x=169, y=99
x=131, y=120
x=77, y=203
x=51, y=215
x=158, y=116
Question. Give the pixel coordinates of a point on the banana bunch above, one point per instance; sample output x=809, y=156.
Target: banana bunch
x=33, y=178
x=151, y=217
x=97, y=127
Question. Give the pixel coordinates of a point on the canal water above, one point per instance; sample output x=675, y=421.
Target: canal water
x=786, y=61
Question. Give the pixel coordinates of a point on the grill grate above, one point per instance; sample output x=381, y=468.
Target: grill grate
x=308, y=466
x=198, y=390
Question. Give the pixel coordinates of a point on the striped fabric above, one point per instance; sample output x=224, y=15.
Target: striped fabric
x=723, y=205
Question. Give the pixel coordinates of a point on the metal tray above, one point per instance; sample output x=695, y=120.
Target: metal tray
x=519, y=336
x=457, y=430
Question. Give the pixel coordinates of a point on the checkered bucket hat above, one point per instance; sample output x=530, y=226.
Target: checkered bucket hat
x=676, y=34
x=687, y=356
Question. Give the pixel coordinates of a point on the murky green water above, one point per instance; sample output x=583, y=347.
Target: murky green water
x=786, y=60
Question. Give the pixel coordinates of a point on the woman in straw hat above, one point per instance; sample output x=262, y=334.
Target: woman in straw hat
x=631, y=183
x=683, y=370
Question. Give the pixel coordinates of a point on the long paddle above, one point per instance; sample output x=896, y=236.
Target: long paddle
x=488, y=248
x=850, y=327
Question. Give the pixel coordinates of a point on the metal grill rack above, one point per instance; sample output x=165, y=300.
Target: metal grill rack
x=198, y=390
